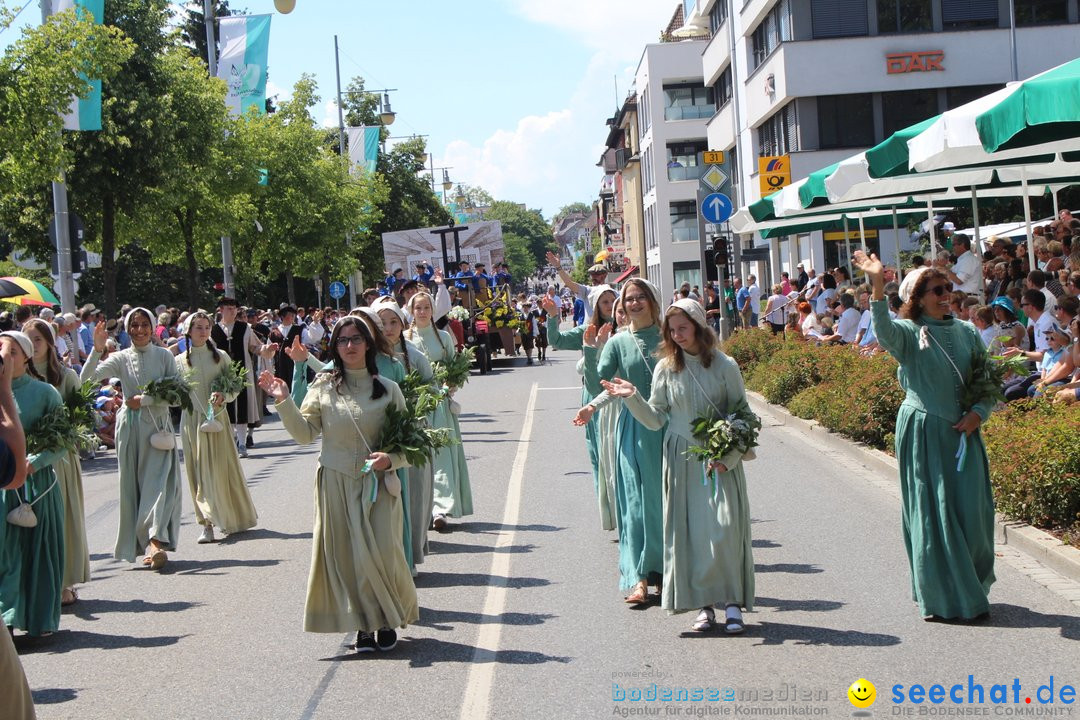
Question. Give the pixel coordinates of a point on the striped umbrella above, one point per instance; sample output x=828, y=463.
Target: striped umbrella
x=33, y=293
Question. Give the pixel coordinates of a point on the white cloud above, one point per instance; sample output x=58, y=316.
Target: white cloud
x=618, y=27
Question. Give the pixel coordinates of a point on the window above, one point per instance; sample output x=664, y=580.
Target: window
x=957, y=96
x=684, y=221
x=717, y=15
x=647, y=168
x=1040, y=12
x=779, y=135
x=722, y=89
x=961, y=14
x=683, y=160
x=845, y=121
x=839, y=18
x=897, y=16
x=907, y=107
x=688, y=102
x=644, y=117
x=774, y=29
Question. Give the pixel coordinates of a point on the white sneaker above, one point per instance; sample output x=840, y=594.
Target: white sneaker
x=241, y=450
x=207, y=535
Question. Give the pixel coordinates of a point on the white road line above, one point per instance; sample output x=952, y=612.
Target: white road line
x=477, y=699
x=568, y=387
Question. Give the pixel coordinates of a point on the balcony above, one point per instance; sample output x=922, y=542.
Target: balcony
x=678, y=173
x=688, y=112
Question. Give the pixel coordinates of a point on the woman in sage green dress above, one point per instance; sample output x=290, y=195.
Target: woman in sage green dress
x=707, y=552
x=150, y=491
x=948, y=507
x=590, y=339
x=32, y=558
x=359, y=579
x=639, y=496
x=68, y=469
x=453, y=493
x=218, y=487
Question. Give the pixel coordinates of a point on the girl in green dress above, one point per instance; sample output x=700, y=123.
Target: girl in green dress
x=590, y=339
x=707, y=552
x=639, y=497
x=218, y=487
x=453, y=493
x=150, y=493
x=359, y=579
x=948, y=508
x=68, y=469
x=32, y=558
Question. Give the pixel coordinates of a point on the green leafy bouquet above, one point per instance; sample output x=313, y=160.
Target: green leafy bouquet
x=455, y=371
x=719, y=435
x=406, y=431
x=986, y=378
x=79, y=404
x=53, y=430
x=174, y=391
x=232, y=380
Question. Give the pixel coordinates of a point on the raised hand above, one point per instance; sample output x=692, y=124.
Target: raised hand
x=269, y=350
x=870, y=265
x=101, y=336
x=548, y=304
x=553, y=260
x=273, y=386
x=619, y=387
x=590, y=336
x=297, y=352
x=584, y=415
x=603, y=335
x=437, y=276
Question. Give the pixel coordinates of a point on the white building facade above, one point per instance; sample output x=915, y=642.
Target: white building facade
x=673, y=106
x=820, y=80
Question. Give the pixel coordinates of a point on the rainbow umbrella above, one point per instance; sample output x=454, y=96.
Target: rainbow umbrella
x=31, y=293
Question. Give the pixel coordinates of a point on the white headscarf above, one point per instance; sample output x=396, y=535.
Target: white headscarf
x=22, y=339
x=596, y=292
x=388, y=303
x=131, y=313
x=909, y=283
x=693, y=309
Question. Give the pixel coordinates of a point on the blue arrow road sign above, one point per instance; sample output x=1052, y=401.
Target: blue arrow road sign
x=337, y=290
x=716, y=208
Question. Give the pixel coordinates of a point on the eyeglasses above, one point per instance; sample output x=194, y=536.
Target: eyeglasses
x=938, y=290
x=633, y=299
x=1025, y=304
x=354, y=340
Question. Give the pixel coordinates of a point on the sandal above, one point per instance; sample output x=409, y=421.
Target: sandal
x=705, y=620
x=155, y=557
x=69, y=597
x=640, y=596
x=733, y=625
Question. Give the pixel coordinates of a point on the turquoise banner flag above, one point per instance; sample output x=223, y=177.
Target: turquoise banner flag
x=245, y=51
x=363, y=147
x=84, y=113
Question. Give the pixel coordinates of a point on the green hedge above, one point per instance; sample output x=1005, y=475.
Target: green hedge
x=1034, y=447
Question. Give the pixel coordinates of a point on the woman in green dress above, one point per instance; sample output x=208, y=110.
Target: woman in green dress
x=69, y=468
x=639, y=496
x=32, y=558
x=150, y=492
x=452, y=491
x=218, y=487
x=948, y=508
x=707, y=552
x=419, y=480
x=359, y=579
x=590, y=339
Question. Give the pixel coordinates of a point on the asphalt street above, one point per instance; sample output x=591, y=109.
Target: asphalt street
x=521, y=614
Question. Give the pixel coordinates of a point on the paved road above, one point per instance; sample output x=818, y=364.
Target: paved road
x=521, y=614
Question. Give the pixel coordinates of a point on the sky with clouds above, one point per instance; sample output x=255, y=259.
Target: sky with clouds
x=512, y=94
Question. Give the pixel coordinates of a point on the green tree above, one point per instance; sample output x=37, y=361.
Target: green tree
x=571, y=209
x=527, y=225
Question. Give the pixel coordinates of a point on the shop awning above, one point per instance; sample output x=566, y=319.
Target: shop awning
x=630, y=271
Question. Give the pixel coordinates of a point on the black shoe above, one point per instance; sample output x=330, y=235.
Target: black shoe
x=365, y=642
x=250, y=442
x=386, y=639
x=528, y=361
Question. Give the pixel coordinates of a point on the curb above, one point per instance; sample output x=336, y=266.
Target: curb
x=1042, y=546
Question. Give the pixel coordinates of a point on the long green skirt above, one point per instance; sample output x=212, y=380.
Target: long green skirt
x=453, y=493
x=640, y=501
x=32, y=559
x=948, y=516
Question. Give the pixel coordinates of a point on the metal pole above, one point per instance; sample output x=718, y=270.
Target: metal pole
x=1053, y=194
x=847, y=247
x=211, y=62
x=431, y=157
x=896, y=239
x=341, y=152
x=1012, y=40
x=66, y=282
x=862, y=233
x=933, y=235
x=976, y=247
x=1027, y=218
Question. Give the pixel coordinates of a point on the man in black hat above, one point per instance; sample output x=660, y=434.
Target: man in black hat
x=502, y=276
x=463, y=272
x=284, y=335
x=424, y=273
x=236, y=338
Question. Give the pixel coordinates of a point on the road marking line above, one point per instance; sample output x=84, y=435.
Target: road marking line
x=569, y=387
x=476, y=702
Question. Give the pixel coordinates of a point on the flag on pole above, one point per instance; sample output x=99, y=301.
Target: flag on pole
x=83, y=114
x=245, y=49
x=363, y=147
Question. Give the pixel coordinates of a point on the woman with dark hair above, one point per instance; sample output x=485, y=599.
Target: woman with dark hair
x=452, y=489
x=948, y=508
x=639, y=497
x=1008, y=325
x=823, y=293
x=149, y=473
x=69, y=468
x=708, y=558
x=359, y=579
x=31, y=558
x=218, y=487
x=590, y=339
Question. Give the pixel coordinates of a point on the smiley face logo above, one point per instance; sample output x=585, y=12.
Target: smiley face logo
x=862, y=693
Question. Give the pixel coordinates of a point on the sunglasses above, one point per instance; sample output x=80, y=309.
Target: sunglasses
x=354, y=340
x=938, y=290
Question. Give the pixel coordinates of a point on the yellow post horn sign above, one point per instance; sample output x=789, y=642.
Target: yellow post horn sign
x=774, y=172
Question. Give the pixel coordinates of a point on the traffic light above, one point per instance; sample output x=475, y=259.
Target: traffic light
x=721, y=252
